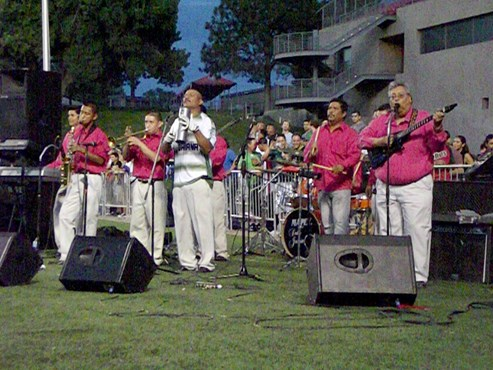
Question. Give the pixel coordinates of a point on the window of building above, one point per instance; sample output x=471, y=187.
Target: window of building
x=459, y=33
x=485, y=103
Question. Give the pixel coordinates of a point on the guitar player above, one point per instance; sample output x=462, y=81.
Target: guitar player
x=410, y=172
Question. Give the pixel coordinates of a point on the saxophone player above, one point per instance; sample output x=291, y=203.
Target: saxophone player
x=61, y=163
x=89, y=156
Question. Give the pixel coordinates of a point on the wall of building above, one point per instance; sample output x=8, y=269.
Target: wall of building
x=462, y=75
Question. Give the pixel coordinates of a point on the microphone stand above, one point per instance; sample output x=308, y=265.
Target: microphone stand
x=387, y=185
x=149, y=184
x=38, y=195
x=86, y=186
x=242, y=158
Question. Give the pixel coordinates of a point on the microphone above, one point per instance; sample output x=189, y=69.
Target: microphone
x=45, y=150
x=396, y=108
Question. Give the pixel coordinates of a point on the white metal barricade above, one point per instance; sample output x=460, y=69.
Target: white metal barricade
x=116, y=197
x=450, y=172
x=271, y=195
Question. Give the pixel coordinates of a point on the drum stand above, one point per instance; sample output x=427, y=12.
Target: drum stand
x=298, y=259
x=263, y=238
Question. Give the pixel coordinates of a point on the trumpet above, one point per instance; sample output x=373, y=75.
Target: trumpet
x=121, y=139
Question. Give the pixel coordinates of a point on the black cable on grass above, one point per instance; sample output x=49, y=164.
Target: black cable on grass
x=391, y=313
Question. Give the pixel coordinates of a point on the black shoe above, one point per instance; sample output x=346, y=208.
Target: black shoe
x=420, y=284
x=204, y=269
x=182, y=268
x=221, y=258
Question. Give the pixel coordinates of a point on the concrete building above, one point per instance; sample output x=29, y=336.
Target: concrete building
x=442, y=48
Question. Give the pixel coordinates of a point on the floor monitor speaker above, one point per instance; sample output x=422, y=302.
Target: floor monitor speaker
x=18, y=261
x=361, y=270
x=102, y=264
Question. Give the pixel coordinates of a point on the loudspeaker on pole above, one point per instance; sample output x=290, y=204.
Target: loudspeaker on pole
x=102, y=264
x=361, y=270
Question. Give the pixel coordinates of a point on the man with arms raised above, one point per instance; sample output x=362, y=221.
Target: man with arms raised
x=335, y=148
x=410, y=175
x=192, y=207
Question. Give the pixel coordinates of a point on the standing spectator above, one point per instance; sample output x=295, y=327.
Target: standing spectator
x=335, y=148
x=460, y=144
x=271, y=135
x=308, y=130
x=230, y=157
x=358, y=124
x=286, y=127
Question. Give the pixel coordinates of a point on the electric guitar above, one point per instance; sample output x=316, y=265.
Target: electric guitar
x=378, y=156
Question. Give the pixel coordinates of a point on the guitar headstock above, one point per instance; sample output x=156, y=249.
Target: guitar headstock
x=448, y=108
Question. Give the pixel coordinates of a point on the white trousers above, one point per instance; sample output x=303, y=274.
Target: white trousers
x=59, y=199
x=141, y=220
x=218, y=210
x=71, y=211
x=192, y=211
x=410, y=208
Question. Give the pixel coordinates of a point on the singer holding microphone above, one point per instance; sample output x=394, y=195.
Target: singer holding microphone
x=410, y=173
x=192, y=137
x=89, y=150
x=143, y=152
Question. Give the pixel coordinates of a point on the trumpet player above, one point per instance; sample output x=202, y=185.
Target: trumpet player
x=61, y=163
x=150, y=232
x=89, y=150
x=192, y=206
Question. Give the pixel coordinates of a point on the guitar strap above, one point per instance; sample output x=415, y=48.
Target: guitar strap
x=414, y=115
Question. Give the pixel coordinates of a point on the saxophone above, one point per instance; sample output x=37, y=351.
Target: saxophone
x=67, y=163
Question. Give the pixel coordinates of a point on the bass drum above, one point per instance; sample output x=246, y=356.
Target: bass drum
x=294, y=230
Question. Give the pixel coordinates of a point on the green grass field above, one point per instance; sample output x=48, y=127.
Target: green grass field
x=248, y=324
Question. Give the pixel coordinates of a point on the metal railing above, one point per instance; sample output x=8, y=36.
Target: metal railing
x=296, y=42
x=316, y=88
x=116, y=195
x=450, y=172
x=340, y=11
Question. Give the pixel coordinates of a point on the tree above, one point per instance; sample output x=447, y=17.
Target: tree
x=96, y=44
x=241, y=35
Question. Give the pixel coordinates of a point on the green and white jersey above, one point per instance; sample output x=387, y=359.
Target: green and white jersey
x=190, y=163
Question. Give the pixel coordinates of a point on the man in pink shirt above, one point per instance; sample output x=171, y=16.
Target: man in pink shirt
x=143, y=152
x=73, y=121
x=89, y=154
x=334, y=146
x=410, y=177
x=217, y=157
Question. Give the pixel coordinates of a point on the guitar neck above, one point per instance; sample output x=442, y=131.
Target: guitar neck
x=415, y=126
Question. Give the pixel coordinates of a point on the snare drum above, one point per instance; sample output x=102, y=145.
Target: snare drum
x=295, y=228
x=360, y=202
x=302, y=194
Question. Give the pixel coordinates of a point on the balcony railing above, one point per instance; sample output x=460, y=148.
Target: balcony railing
x=340, y=11
x=321, y=87
x=296, y=42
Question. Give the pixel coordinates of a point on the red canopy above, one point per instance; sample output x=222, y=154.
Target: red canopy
x=209, y=86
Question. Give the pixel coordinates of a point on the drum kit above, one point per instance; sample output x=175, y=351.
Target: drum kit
x=296, y=207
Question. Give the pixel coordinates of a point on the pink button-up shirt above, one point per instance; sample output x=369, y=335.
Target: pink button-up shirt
x=97, y=143
x=339, y=147
x=217, y=157
x=415, y=160
x=142, y=164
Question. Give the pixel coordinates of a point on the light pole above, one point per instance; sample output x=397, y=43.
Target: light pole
x=45, y=18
